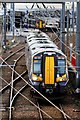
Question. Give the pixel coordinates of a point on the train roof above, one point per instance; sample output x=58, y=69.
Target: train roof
x=40, y=42
x=40, y=45
x=36, y=38
x=37, y=35
x=40, y=50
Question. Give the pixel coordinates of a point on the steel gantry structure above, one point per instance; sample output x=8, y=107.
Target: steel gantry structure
x=38, y=1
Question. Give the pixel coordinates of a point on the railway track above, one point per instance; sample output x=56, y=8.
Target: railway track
x=21, y=105
x=7, y=91
x=51, y=111
x=12, y=98
x=10, y=59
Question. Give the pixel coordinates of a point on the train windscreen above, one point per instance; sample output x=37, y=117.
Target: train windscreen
x=37, y=66
x=61, y=66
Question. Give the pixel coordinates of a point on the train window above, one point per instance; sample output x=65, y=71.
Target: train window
x=61, y=66
x=43, y=42
x=37, y=66
x=30, y=40
x=41, y=39
x=40, y=42
x=46, y=42
x=46, y=47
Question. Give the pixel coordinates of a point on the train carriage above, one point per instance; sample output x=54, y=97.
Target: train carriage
x=47, y=65
x=35, y=22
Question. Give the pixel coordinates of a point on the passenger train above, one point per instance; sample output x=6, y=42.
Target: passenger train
x=41, y=19
x=36, y=23
x=46, y=64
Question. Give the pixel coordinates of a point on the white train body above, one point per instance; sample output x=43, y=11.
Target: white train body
x=46, y=64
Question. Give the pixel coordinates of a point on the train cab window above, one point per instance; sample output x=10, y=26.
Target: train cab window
x=37, y=66
x=61, y=66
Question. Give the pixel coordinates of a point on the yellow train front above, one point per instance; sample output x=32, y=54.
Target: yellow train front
x=47, y=66
x=40, y=24
x=36, y=23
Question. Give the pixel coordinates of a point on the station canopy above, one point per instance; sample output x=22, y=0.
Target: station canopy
x=37, y=1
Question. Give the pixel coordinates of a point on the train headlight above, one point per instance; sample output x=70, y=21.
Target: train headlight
x=34, y=77
x=62, y=78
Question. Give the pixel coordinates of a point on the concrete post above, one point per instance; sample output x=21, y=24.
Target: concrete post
x=63, y=27
x=4, y=26
x=78, y=49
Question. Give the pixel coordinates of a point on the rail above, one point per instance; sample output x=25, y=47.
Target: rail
x=28, y=100
x=12, y=55
x=1, y=90
x=40, y=113
x=64, y=116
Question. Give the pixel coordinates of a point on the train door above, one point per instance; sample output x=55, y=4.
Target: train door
x=49, y=70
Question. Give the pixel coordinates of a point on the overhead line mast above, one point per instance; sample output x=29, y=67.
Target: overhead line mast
x=78, y=49
x=12, y=19
x=62, y=29
x=4, y=26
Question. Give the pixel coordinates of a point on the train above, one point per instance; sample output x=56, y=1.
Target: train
x=42, y=24
x=46, y=64
x=32, y=21
x=36, y=23
x=41, y=20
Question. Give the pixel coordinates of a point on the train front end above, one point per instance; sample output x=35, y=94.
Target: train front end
x=49, y=72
